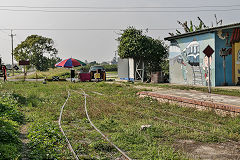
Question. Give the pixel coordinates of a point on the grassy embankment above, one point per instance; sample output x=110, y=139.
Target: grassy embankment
x=118, y=113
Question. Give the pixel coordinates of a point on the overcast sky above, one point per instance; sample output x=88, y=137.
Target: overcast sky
x=100, y=44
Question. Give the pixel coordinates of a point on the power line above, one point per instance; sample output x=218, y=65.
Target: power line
x=121, y=11
x=112, y=7
x=84, y=29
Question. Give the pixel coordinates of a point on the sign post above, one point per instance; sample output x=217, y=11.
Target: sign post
x=208, y=51
x=24, y=63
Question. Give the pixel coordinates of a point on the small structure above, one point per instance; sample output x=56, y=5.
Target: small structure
x=130, y=69
x=126, y=69
x=189, y=65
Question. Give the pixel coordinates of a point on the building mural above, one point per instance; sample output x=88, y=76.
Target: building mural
x=188, y=65
x=223, y=60
x=192, y=54
x=205, y=69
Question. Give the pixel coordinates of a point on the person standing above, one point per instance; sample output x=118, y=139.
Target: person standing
x=4, y=71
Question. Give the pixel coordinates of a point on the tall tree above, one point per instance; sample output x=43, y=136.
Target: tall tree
x=134, y=44
x=39, y=50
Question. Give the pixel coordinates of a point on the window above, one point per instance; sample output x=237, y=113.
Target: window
x=195, y=49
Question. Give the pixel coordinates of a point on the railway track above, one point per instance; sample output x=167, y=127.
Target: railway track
x=141, y=113
x=88, y=117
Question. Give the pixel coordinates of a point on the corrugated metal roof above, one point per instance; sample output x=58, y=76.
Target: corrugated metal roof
x=208, y=30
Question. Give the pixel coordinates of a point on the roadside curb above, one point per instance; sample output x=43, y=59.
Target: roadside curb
x=215, y=105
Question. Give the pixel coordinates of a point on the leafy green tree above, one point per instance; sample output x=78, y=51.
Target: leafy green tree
x=39, y=50
x=134, y=44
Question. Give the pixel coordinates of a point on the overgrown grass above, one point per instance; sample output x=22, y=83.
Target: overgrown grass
x=118, y=113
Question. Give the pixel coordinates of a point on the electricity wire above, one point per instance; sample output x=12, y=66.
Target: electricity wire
x=121, y=11
x=112, y=7
x=83, y=29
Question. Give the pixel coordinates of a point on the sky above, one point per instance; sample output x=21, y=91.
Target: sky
x=87, y=29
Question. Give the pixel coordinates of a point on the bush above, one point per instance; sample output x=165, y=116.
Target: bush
x=9, y=108
x=9, y=131
x=46, y=141
x=9, y=151
x=10, y=118
x=110, y=67
x=107, y=67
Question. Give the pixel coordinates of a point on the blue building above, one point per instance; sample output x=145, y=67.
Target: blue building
x=189, y=65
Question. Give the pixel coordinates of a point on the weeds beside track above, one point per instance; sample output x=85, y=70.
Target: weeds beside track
x=86, y=111
x=183, y=118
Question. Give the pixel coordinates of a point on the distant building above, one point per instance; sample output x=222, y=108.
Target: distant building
x=189, y=65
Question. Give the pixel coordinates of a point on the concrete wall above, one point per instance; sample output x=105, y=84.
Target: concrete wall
x=187, y=62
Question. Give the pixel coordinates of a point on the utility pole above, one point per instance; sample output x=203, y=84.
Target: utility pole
x=12, y=35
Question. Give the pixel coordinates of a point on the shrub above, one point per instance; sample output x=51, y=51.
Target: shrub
x=10, y=118
x=107, y=67
x=110, y=67
x=9, y=151
x=9, y=108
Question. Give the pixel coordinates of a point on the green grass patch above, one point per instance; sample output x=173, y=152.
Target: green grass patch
x=46, y=141
x=119, y=114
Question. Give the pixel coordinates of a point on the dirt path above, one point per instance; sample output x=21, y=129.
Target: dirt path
x=208, y=151
x=19, y=75
x=24, y=140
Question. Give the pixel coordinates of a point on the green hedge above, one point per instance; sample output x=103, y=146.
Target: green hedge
x=108, y=68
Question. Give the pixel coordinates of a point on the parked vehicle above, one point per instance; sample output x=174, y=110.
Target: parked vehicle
x=97, y=72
